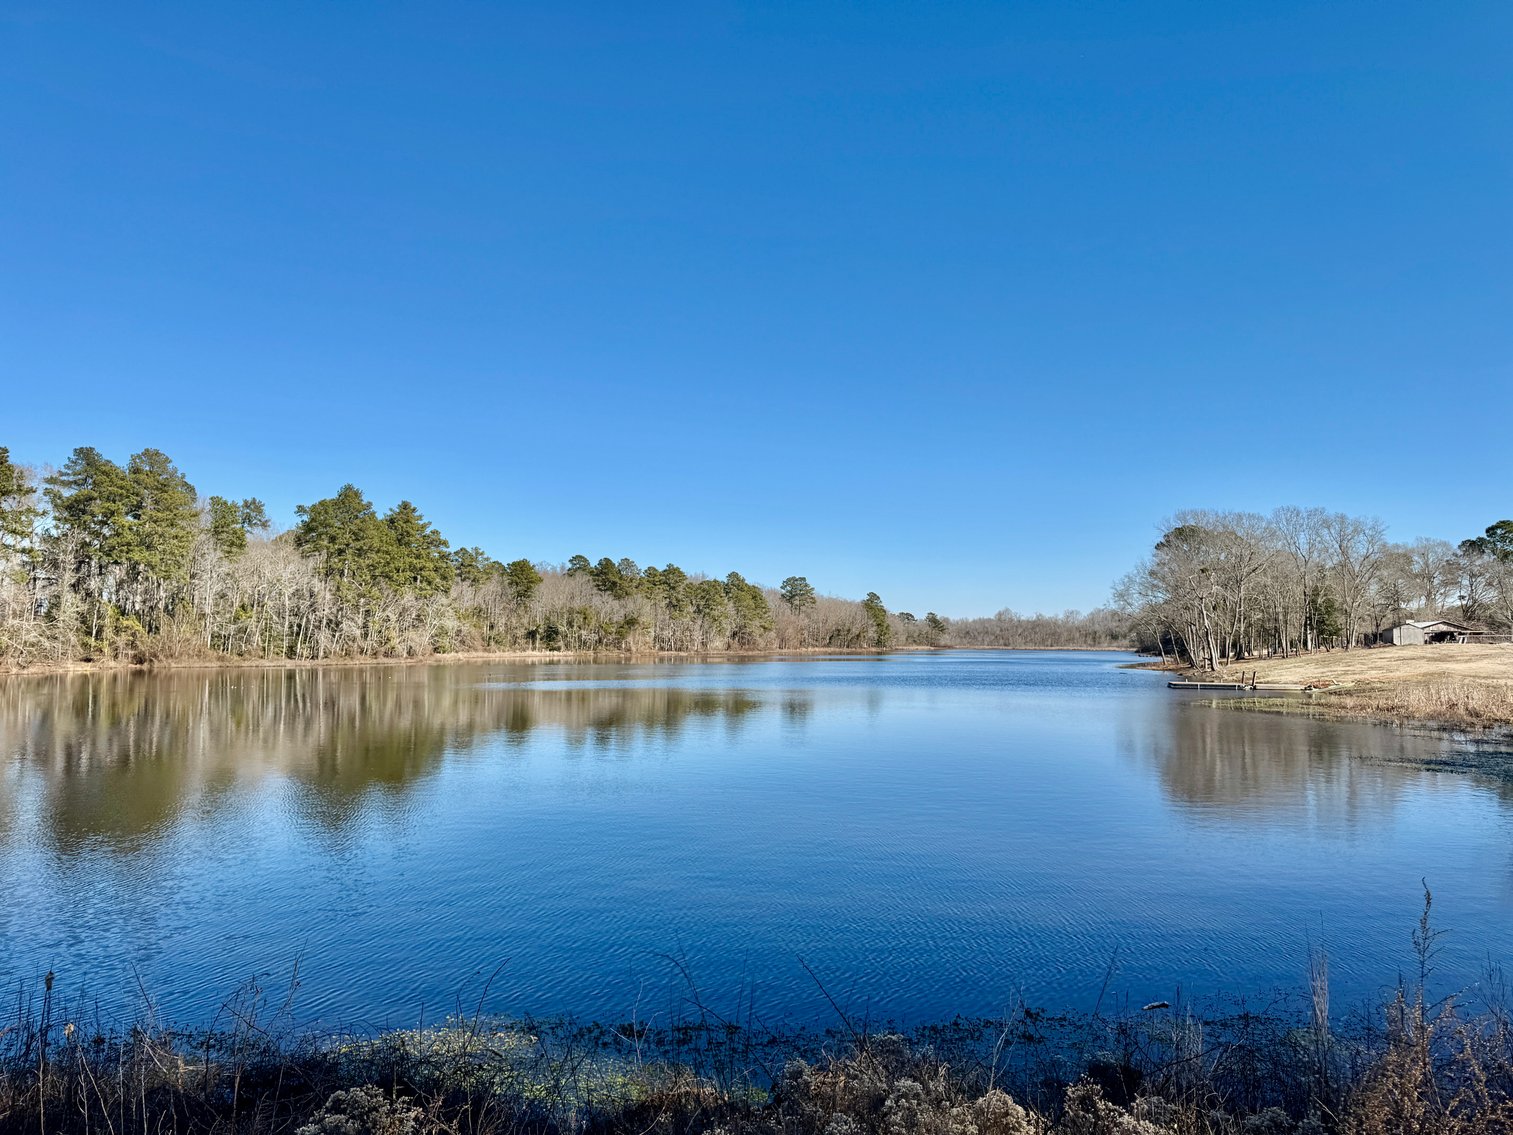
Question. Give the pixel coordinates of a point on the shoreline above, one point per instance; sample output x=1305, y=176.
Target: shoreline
x=1076, y=1073
x=103, y=666
x=112, y=666
x=1463, y=689
x=1338, y=705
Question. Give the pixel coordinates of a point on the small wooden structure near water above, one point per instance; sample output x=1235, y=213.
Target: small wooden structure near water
x=1191, y=684
x=1245, y=683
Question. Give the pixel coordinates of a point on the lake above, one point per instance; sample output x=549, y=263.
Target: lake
x=920, y=834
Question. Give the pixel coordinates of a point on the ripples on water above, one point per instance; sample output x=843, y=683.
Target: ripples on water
x=931, y=833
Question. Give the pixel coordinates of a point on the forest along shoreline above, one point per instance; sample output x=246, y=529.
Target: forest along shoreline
x=131, y=563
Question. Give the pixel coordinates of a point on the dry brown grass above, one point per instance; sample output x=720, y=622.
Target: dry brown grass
x=1462, y=702
x=1462, y=686
x=1387, y=664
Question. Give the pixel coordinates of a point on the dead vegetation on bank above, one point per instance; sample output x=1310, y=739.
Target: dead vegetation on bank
x=1443, y=704
x=1422, y=1070
x=1431, y=1068
x=1460, y=686
x=1458, y=702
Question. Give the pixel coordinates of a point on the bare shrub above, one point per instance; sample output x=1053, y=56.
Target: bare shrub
x=363, y=1111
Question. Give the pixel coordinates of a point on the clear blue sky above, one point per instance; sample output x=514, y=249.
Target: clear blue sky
x=953, y=302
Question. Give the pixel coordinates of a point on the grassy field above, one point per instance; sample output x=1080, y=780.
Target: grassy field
x=1388, y=664
x=1462, y=686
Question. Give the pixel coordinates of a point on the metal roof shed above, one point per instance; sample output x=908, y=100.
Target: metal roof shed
x=1419, y=632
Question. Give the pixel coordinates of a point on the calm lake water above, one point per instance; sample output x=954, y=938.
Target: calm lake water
x=931, y=834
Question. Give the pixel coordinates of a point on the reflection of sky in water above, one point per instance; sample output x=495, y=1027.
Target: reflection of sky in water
x=932, y=833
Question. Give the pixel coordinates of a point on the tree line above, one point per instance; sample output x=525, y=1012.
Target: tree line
x=101, y=560
x=1103, y=628
x=1224, y=586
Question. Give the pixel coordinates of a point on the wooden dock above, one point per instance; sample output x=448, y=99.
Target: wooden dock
x=1263, y=687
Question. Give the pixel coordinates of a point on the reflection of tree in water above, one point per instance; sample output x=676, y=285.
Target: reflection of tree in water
x=796, y=708
x=119, y=756
x=614, y=718
x=1257, y=761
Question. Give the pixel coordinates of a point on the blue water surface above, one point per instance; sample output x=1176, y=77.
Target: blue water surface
x=913, y=835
